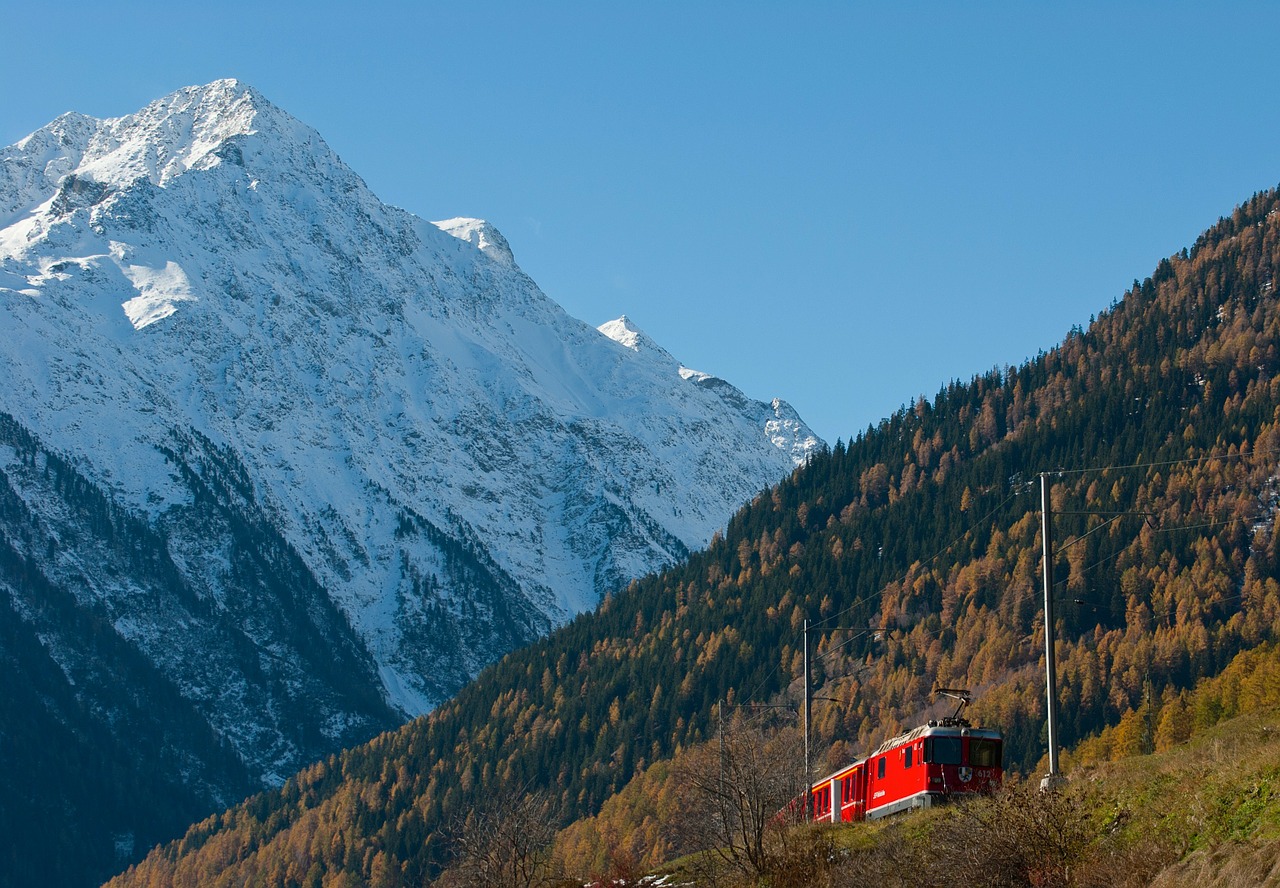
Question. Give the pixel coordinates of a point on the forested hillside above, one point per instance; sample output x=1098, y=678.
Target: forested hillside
x=1160, y=423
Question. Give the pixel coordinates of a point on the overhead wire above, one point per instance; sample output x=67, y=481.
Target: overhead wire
x=934, y=557
x=867, y=598
x=1155, y=465
x=1025, y=488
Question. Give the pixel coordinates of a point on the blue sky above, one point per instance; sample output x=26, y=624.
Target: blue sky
x=841, y=204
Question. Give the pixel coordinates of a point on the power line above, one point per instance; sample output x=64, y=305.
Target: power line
x=936, y=555
x=866, y=599
x=1119, y=552
x=1171, y=462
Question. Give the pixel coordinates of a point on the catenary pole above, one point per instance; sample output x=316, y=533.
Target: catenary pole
x=807, y=692
x=1053, y=778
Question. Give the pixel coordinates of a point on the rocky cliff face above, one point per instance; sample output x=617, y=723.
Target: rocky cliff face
x=308, y=461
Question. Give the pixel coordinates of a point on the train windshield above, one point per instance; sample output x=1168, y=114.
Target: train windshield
x=984, y=753
x=942, y=750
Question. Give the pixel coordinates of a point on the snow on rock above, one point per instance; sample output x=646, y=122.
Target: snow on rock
x=482, y=235
x=781, y=424
x=623, y=332
x=159, y=292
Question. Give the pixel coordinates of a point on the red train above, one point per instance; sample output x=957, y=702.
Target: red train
x=923, y=767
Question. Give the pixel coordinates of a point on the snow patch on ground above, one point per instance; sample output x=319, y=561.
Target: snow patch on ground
x=160, y=290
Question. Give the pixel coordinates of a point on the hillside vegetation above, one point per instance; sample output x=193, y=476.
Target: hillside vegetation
x=1160, y=423
x=1202, y=812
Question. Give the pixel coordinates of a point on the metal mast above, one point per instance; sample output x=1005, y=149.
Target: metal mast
x=1053, y=779
x=807, y=692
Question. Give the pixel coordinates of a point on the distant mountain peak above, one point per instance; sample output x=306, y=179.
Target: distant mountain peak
x=624, y=331
x=782, y=425
x=480, y=234
x=193, y=128
x=181, y=131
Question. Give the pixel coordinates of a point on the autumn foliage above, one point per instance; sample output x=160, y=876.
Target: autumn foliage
x=1161, y=424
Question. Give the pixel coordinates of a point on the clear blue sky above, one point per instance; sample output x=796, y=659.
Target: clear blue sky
x=842, y=204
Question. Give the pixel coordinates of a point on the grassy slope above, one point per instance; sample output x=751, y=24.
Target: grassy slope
x=1206, y=813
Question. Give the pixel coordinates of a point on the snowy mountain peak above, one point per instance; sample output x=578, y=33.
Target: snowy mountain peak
x=624, y=332
x=482, y=235
x=783, y=427
x=197, y=127
x=217, y=321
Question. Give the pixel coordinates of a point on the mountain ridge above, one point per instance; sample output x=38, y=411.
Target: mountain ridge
x=123, y=169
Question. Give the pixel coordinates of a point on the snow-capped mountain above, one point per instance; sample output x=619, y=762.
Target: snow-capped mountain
x=353, y=455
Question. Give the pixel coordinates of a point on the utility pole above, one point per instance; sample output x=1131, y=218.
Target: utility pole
x=724, y=799
x=720, y=725
x=1053, y=779
x=806, y=717
x=808, y=781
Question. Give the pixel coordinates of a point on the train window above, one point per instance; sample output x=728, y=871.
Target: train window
x=880, y=768
x=984, y=753
x=907, y=761
x=823, y=802
x=942, y=750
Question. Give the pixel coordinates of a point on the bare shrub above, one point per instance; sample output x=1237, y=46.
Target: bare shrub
x=504, y=844
x=893, y=861
x=1115, y=865
x=1020, y=837
x=739, y=791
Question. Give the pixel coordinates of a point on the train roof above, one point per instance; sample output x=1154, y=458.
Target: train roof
x=840, y=772
x=914, y=734
x=935, y=730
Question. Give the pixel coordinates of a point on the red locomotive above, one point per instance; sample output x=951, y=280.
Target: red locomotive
x=923, y=767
